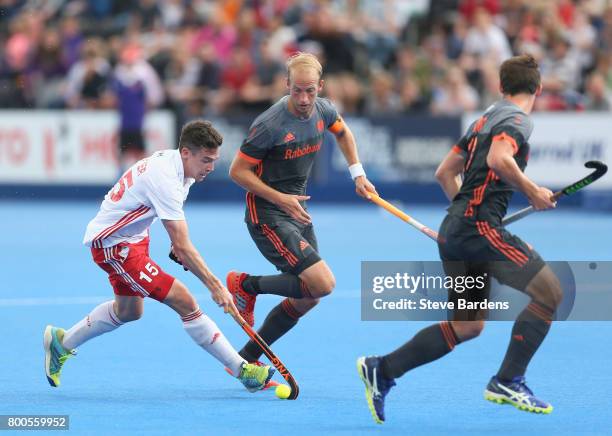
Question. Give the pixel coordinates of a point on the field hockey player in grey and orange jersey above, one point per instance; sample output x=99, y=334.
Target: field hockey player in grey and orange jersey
x=273, y=165
x=479, y=175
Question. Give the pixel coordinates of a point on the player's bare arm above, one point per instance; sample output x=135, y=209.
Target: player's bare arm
x=449, y=173
x=500, y=159
x=192, y=260
x=348, y=146
x=242, y=172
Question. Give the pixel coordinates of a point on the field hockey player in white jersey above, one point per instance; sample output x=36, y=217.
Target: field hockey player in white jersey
x=155, y=187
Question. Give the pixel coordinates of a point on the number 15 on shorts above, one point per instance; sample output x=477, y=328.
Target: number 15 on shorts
x=152, y=270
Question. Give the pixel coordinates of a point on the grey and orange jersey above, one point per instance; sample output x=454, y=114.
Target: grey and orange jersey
x=284, y=146
x=483, y=195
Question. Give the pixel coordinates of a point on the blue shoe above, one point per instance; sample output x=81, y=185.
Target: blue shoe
x=55, y=354
x=376, y=386
x=517, y=393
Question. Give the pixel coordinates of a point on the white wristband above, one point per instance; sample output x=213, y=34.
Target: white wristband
x=356, y=170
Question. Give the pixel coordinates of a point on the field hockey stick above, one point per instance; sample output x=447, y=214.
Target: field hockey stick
x=281, y=368
x=600, y=169
x=403, y=216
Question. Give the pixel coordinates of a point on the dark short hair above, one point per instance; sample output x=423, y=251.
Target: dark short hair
x=199, y=134
x=519, y=75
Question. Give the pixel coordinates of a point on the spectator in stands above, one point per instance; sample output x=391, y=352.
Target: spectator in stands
x=222, y=36
x=560, y=76
x=181, y=76
x=49, y=71
x=374, y=23
x=456, y=37
x=455, y=96
x=490, y=84
x=282, y=39
x=172, y=13
x=334, y=92
x=605, y=34
x=17, y=54
x=137, y=89
x=338, y=46
x=352, y=94
x=267, y=85
x=583, y=37
x=383, y=97
x=412, y=99
x=486, y=39
x=514, y=13
x=146, y=15
x=353, y=38
x=235, y=75
x=208, y=80
x=72, y=40
x=597, y=95
x=470, y=8
x=87, y=82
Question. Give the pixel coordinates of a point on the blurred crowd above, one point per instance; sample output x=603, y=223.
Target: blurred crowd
x=220, y=57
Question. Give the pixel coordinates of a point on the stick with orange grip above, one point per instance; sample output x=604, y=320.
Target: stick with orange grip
x=403, y=216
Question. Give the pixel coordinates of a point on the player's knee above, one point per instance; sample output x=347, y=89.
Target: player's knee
x=328, y=285
x=307, y=304
x=473, y=331
x=180, y=299
x=549, y=294
x=303, y=305
x=312, y=302
x=556, y=292
x=188, y=304
x=546, y=289
x=324, y=285
x=466, y=330
x=128, y=314
x=552, y=295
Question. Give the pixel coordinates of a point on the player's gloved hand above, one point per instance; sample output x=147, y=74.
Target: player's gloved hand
x=542, y=198
x=363, y=187
x=291, y=204
x=172, y=255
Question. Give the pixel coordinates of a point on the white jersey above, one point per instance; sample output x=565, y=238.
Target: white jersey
x=152, y=188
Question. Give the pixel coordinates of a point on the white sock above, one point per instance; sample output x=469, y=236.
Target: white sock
x=207, y=335
x=101, y=320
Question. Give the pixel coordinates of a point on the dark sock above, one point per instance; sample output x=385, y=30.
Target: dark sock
x=279, y=321
x=285, y=285
x=530, y=329
x=429, y=344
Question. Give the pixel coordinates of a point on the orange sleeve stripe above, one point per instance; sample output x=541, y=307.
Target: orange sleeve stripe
x=503, y=136
x=248, y=158
x=337, y=127
x=457, y=149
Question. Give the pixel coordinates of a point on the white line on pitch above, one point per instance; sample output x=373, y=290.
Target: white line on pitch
x=50, y=301
x=66, y=300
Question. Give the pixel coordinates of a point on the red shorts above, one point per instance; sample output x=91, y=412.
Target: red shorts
x=132, y=272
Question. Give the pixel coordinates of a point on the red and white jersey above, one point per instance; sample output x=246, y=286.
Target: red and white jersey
x=152, y=188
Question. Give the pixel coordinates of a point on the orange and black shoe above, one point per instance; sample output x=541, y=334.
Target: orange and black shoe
x=270, y=384
x=244, y=301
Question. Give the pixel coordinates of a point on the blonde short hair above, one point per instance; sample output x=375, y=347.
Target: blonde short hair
x=301, y=59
